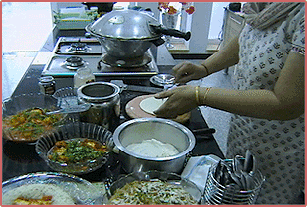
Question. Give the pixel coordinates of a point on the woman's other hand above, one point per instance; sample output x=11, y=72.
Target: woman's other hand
x=187, y=71
x=180, y=101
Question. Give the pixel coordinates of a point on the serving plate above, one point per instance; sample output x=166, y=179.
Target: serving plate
x=80, y=190
x=154, y=175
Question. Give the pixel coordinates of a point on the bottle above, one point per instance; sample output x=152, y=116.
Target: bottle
x=47, y=85
x=83, y=76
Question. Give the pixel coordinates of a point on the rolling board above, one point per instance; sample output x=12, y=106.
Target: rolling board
x=134, y=110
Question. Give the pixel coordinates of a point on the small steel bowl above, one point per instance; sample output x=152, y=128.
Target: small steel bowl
x=163, y=79
x=163, y=130
x=71, y=131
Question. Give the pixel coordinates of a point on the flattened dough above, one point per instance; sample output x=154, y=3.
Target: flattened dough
x=149, y=105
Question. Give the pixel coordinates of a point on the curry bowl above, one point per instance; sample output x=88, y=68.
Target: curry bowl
x=24, y=117
x=152, y=188
x=76, y=148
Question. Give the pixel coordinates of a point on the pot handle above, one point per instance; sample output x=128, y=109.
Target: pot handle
x=159, y=29
x=158, y=42
x=203, y=131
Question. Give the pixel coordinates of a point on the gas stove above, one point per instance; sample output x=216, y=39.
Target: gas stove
x=72, y=53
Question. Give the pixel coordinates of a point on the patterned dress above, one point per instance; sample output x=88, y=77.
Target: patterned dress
x=278, y=145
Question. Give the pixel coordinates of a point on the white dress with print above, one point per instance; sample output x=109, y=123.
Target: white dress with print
x=278, y=145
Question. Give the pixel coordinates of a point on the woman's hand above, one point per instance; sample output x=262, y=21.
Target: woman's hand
x=180, y=101
x=186, y=71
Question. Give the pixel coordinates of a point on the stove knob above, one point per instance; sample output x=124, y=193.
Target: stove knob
x=88, y=35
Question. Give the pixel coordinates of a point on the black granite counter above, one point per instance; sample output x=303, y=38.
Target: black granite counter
x=21, y=159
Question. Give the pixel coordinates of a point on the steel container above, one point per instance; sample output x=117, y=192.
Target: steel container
x=105, y=104
x=128, y=34
x=163, y=130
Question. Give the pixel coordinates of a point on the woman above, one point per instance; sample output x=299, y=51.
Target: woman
x=268, y=100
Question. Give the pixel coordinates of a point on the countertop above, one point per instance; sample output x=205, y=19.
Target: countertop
x=19, y=159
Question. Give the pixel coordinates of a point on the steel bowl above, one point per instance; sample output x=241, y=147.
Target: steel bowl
x=163, y=130
x=76, y=130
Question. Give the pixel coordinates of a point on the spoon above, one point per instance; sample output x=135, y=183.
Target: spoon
x=250, y=163
x=66, y=110
x=238, y=164
x=71, y=109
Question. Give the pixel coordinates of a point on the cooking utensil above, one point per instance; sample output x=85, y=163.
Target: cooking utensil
x=71, y=109
x=220, y=191
x=162, y=79
x=238, y=164
x=248, y=163
x=130, y=33
x=203, y=131
x=163, y=130
x=75, y=130
x=105, y=103
x=136, y=88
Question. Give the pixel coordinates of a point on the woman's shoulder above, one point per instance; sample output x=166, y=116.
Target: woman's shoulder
x=298, y=15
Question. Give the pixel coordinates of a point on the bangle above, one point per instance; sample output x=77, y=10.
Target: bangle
x=206, y=93
x=207, y=71
x=197, y=95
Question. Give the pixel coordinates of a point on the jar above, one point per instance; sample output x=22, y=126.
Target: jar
x=105, y=104
x=47, y=85
x=83, y=76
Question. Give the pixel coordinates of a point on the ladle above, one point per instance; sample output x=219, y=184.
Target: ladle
x=67, y=110
x=71, y=109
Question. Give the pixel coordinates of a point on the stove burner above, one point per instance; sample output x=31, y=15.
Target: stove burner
x=74, y=63
x=125, y=63
x=78, y=47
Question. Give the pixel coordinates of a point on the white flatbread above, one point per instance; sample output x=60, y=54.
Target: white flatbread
x=151, y=104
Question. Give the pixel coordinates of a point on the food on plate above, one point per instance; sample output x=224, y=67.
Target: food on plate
x=37, y=194
x=151, y=104
x=29, y=124
x=45, y=200
x=76, y=150
x=153, y=148
x=151, y=193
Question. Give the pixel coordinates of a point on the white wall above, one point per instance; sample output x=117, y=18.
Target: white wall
x=200, y=27
x=217, y=17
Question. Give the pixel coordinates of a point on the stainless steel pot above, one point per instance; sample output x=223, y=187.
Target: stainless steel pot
x=163, y=130
x=105, y=103
x=129, y=33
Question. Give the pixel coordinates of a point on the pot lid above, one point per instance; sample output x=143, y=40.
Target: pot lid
x=125, y=24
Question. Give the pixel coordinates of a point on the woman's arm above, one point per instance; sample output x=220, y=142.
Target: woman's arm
x=226, y=57
x=285, y=102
